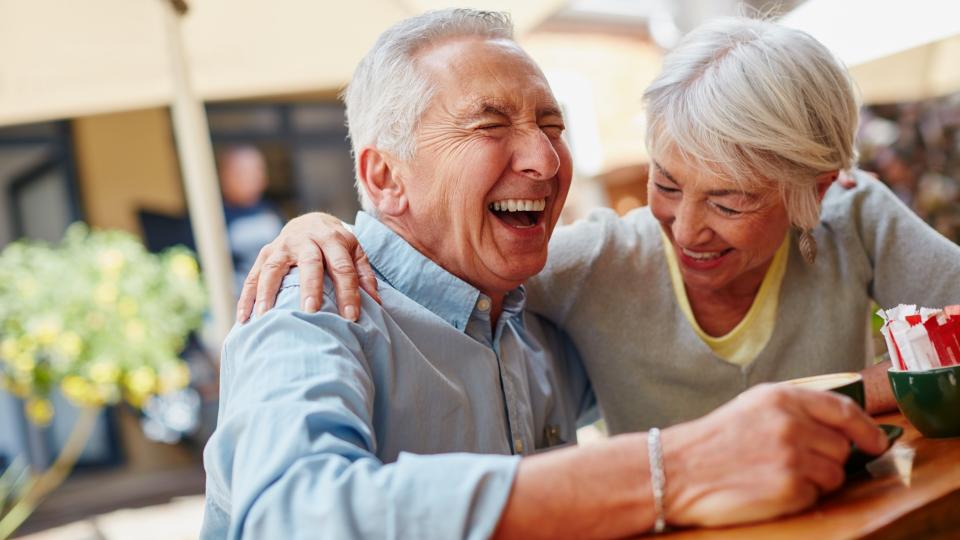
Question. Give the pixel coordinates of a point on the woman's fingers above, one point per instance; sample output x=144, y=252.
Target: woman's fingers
x=844, y=415
x=368, y=278
x=827, y=442
x=311, y=266
x=321, y=244
x=249, y=292
x=271, y=276
x=344, y=274
x=827, y=474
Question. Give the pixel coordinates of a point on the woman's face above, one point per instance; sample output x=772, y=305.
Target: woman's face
x=724, y=237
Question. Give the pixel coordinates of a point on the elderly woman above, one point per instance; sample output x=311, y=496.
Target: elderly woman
x=745, y=267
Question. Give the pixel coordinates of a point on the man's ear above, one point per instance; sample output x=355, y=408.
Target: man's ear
x=824, y=181
x=377, y=172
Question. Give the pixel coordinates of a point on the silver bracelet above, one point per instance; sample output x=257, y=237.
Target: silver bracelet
x=657, y=478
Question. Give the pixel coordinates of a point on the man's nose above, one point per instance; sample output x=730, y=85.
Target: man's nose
x=689, y=226
x=534, y=155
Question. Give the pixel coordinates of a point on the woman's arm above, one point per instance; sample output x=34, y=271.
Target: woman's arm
x=911, y=262
x=879, y=395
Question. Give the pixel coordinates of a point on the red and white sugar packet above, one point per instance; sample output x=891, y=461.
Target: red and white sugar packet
x=922, y=339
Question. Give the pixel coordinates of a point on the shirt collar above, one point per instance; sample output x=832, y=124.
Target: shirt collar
x=422, y=280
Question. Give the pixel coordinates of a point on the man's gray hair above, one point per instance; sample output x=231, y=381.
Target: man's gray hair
x=753, y=100
x=388, y=92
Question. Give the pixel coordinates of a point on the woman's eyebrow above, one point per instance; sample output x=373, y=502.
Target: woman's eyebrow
x=752, y=197
x=664, y=172
x=733, y=192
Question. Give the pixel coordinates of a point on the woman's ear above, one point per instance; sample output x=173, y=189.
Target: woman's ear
x=377, y=173
x=824, y=181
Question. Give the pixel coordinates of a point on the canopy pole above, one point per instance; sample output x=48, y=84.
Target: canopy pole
x=199, y=173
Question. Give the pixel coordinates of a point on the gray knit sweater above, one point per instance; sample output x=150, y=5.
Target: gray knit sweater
x=607, y=284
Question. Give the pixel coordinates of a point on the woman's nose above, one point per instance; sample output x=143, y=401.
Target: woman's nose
x=689, y=228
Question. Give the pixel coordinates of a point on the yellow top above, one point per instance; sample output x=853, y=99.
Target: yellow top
x=742, y=344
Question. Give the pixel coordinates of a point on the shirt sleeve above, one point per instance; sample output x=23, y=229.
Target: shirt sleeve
x=908, y=261
x=294, y=455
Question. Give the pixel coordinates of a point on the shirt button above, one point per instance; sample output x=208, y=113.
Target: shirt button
x=483, y=304
x=518, y=446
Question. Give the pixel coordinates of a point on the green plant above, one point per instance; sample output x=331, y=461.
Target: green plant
x=99, y=318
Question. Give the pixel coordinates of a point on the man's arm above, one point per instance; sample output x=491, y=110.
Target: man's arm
x=295, y=453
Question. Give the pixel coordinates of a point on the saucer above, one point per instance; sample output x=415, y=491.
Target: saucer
x=857, y=461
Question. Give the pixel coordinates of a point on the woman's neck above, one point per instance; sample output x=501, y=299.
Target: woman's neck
x=719, y=311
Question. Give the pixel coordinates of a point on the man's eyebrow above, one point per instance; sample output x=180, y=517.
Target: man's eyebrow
x=483, y=109
x=550, y=110
x=486, y=108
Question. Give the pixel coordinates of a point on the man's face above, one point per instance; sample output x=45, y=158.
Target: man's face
x=491, y=171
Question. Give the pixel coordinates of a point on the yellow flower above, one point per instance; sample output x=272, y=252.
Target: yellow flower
x=105, y=294
x=127, y=307
x=18, y=388
x=79, y=390
x=135, y=331
x=69, y=344
x=24, y=362
x=110, y=261
x=184, y=267
x=9, y=349
x=104, y=372
x=39, y=411
x=141, y=381
x=174, y=378
x=46, y=331
x=107, y=393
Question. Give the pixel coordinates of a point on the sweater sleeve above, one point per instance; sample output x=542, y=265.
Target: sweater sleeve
x=907, y=261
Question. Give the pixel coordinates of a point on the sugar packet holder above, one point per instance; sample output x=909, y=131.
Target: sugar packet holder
x=922, y=339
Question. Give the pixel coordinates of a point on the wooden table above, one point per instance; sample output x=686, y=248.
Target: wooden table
x=875, y=508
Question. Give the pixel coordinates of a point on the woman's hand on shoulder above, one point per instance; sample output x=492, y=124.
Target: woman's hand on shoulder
x=313, y=242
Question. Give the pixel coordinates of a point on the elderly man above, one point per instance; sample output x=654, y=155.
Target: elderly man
x=420, y=418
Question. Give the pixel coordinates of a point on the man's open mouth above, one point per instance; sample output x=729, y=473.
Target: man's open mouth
x=519, y=213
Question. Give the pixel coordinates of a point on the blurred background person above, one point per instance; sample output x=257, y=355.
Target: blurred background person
x=251, y=220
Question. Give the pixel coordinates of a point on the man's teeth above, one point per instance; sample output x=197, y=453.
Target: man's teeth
x=701, y=255
x=519, y=205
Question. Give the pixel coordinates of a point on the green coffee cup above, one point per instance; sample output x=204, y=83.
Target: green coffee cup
x=929, y=399
x=848, y=384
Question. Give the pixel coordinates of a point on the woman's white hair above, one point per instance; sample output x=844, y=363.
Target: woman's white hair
x=388, y=92
x=758, y=103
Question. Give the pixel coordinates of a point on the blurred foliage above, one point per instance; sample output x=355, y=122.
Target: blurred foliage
x=915, y=149
x=96, y=316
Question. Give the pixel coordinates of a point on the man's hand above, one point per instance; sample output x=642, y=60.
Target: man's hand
x=771, y=451
x=312, y=242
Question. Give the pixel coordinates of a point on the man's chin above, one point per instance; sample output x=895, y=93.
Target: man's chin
x=520, y=268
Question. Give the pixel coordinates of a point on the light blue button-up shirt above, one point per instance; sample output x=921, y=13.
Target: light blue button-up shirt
x=405, y=424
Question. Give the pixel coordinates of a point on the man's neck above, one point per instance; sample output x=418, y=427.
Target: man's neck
x=496, y=298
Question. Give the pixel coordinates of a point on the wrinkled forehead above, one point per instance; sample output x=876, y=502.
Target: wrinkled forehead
x=473, y=75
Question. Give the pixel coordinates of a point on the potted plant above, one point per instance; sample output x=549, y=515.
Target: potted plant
x=98, y=318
